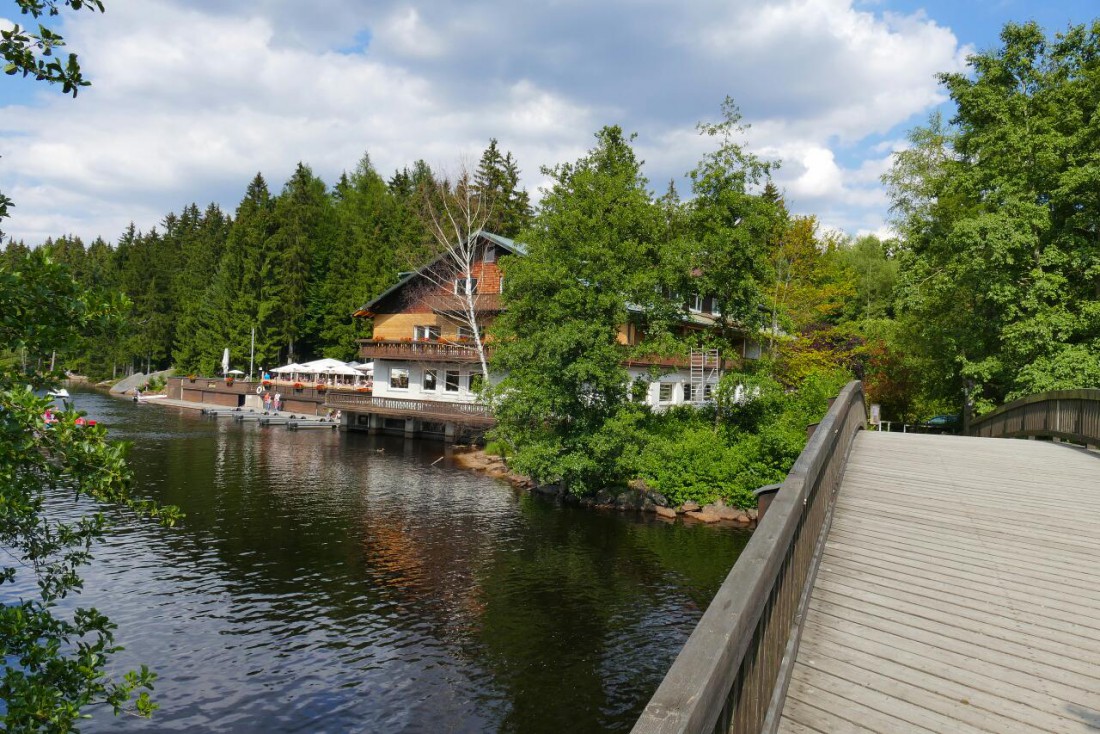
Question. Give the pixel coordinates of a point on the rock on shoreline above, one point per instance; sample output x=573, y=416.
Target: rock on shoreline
x=637, y=496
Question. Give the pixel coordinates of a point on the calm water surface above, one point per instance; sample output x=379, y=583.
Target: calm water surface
x=340, y=582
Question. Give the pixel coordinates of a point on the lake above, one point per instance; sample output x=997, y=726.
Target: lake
x=327, y=581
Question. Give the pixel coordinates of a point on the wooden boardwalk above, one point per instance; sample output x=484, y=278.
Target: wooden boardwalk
x=959, y=591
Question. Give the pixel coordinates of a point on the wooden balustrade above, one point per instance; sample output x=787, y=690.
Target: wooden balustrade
x=430, y=351
x=732, y=674
x=1073, y=415
x=430, y=409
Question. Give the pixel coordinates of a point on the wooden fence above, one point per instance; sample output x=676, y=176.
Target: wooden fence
x=432, y=409
x=732, y=674
x=1073, y=415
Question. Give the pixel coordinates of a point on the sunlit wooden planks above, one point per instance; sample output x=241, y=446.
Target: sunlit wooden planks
x=959, y=591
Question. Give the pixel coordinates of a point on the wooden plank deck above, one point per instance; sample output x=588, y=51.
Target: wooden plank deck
x=959, y=591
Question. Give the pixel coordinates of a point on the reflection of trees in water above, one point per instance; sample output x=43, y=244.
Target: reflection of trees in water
x=554, y=615
x=583, y=607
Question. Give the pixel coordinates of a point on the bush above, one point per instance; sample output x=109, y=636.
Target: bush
x=698, y=455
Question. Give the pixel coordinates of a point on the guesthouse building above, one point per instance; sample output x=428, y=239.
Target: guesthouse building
x=427, y=369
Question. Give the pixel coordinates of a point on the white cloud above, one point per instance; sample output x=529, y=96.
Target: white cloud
x=190, y=99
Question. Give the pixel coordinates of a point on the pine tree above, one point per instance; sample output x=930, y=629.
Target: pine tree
x=497, y=180
x=301, y=244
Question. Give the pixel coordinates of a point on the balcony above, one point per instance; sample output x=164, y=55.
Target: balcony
x=417, y=351
x=433, y=410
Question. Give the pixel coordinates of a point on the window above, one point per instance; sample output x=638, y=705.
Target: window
x=464, y=334
x=399, y=378
x=476, y=381
x=708, y=391
x=490, y=254
x=696, y=303
x=752, y=350
x=464, y=286
x=431, y=380
x=687, y=392
x=426, y=333
x=714, y=309
x=450, y=380
x=664, y=393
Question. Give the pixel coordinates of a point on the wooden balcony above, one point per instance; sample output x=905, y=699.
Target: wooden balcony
x=432, y=410
x=417, y=351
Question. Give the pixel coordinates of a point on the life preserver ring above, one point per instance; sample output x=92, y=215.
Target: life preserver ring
x=260, y=389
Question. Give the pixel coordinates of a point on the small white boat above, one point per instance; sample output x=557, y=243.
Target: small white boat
x=147, y=398
x=59, y=393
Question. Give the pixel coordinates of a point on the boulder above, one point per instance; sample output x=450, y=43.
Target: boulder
x=627, y=500
x=721, y=511
x=703, y=516
x=690, y=506
x=657, y=498
x=668, y=512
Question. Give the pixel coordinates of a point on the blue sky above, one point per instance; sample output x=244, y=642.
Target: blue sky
x=192, y=97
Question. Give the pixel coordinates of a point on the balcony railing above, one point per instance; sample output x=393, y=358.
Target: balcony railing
x=425, y=351
x=401, y=407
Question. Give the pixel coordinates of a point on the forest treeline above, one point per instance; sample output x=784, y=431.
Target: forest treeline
x=293, y=265
x=991, y=287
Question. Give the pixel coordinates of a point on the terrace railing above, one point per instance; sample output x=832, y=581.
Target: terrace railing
x=733, y=673
x=432, y=409
x=428, y=351
x=1073, y=415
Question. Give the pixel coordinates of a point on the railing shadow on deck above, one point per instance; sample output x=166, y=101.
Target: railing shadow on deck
x=733, y=673
x=1073, y=415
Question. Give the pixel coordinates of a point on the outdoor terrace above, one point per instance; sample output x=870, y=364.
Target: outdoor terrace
x=434, y=410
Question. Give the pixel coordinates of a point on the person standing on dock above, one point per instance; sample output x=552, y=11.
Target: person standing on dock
x=267, y=401
x=278, y=402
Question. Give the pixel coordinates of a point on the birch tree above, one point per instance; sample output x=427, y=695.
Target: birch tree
x=457, y=213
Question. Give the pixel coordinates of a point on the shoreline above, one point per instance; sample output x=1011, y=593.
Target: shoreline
x=637, y=497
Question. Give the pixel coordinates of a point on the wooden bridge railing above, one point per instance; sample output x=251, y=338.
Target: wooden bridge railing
x=1073, y=415
x=733, y=673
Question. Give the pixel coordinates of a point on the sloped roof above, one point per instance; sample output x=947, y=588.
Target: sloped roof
x=516, y=248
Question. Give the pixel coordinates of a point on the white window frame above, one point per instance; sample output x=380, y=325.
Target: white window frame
x=425, y=333
x=447, y=381
x=465, y=286
x=394, y=374
x=434, y=373
x=665, y=392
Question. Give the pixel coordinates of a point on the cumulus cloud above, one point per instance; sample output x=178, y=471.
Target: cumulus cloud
x=192, y=98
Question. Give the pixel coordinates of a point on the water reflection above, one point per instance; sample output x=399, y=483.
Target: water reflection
x=341, y=582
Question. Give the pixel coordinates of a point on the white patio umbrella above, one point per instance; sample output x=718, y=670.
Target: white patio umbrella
x=291, y=369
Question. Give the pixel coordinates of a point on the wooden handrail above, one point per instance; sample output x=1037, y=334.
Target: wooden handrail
x=1070, y=414
x=732, y=674
x=436, y=408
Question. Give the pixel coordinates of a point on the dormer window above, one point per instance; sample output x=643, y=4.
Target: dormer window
x=490, y=254
x=696, y=303
x=465, y=286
